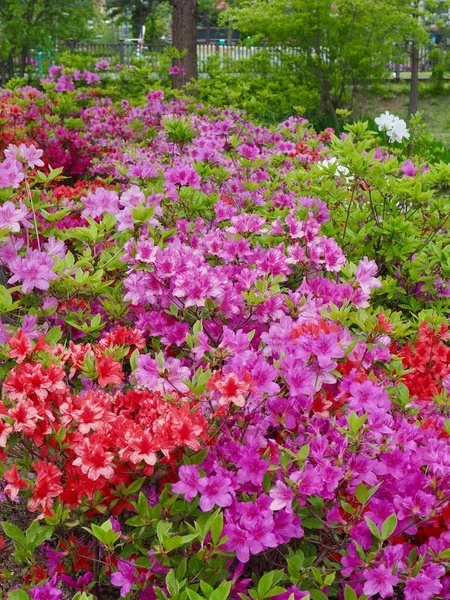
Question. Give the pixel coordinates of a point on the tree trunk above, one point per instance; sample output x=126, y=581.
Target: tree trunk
x=3, y=72
x=11, y=64
x=230, y=33
x=414, y=89
x=23, y=61
x=208, y=28
x=141, y=17
x=184, y=36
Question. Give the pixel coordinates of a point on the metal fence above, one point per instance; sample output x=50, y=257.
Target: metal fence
x=125, y=52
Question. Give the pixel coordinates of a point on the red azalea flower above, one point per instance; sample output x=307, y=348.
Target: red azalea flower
x=20, y=346
x=15, y=482
x=109, y=371
x=47, y=486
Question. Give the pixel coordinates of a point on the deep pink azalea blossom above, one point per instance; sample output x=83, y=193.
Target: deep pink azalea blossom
x=379, y=581
x=124, y=577
x=214, y=491
x=189, y=482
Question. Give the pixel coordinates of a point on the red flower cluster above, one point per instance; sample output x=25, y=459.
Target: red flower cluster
x=429, y=360
x=88, y=441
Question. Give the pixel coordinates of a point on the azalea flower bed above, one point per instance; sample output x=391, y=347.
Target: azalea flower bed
x=224, y=356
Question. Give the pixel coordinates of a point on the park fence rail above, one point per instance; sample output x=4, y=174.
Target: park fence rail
x=126, y=52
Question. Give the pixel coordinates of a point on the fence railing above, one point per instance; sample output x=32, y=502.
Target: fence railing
x=124, y=52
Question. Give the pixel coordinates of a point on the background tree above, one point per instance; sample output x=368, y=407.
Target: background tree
x=184, y=39
x=29, y=24
x=136, y=12
x=343, y=44
x=184, y=29
x=422, y=16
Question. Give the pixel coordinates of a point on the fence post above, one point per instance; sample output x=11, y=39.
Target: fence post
x=121, y=51
x=71, y=45
x=397, y=71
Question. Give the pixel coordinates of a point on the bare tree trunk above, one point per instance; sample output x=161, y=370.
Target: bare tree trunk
x=142, y=16
x=208, y=28
x=11, y=64
x=23, y=61
x=414, y=89
x=230, y=33
x=184, y=35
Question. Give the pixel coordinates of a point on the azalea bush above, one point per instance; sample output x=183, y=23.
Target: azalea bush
x=224, y=355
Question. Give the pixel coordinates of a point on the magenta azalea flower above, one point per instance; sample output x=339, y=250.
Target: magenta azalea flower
x=188, y=484
x=421, y=587
x=47, y=591
x=124, y=577
x=379, y=581
x=214, y=491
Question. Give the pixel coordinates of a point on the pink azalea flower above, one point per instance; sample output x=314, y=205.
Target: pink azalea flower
x=188, y=484
x=12, y=217
x=102, y=201
x=365, y=275
x=125, y=577
x=379, y=581
x=11, y=173
x=35, y=270
x=214, y=491
x=408, y=168
x=282, y=497
x=27, y=154
x=421, y=587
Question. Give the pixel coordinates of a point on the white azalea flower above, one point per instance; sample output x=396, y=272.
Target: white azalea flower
x=385, y=121
x=340, y=169
x=394, y=127
x=398, y=131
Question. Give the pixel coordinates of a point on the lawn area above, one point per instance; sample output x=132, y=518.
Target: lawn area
x=394, y=98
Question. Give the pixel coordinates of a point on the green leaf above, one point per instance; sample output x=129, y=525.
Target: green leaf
x=374, y=529
x=135, y=521
x=350, y=593
x=216, y=528
x=193, y=595
x=172, y=583
x=388, y=527
x=134, y=487
x=18, y=595
x=312, y=523
x=222, y=592
x=355, y=422
x=265, y=583
x=303, y=453
x=181, y=569
x=6, y=299
x=13, y=532
x=207, y=589
x=176, y=541
x=318, y=595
